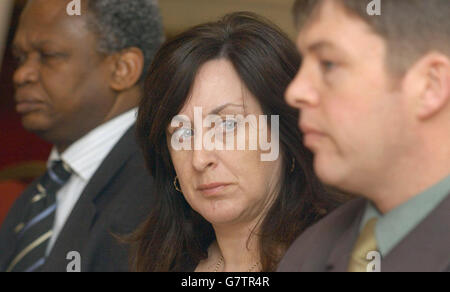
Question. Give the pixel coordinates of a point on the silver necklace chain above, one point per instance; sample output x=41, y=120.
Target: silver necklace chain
x=221, y=261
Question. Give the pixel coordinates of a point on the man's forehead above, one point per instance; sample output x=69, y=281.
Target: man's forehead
x=331, y=28
x=51, y=14
x=48, y=11
x=43, y=22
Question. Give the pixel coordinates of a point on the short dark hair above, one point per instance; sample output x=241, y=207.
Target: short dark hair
x=411, y=28
x=175, y=237
x=123, y=24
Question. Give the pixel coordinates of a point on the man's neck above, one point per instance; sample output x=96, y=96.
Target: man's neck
x=124, y=102
x=403, y=186
x=62, y=146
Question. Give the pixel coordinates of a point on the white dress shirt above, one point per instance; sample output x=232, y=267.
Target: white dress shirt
x=84, y=157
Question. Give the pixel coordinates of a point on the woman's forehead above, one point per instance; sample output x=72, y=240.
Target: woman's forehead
x=217, y=84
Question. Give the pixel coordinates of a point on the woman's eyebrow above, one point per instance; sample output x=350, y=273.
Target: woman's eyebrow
x=217, y=110
x=222, y=107
x=180, y=118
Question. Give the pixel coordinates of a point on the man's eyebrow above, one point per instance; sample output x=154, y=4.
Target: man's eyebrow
x=37, y=45
x=320, y=45
x=222, y=107
x=42, y=43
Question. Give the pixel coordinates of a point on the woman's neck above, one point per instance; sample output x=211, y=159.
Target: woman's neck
x=237, y=247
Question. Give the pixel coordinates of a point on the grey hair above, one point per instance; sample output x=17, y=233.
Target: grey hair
x=121, y=24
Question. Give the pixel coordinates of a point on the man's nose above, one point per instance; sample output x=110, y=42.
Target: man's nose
x=26, y=73
x=301, y=92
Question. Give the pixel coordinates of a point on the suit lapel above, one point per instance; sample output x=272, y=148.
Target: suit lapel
x=340, y=255
x=7, y=246
x=76, y=231
x=115, y=160
x=427, y=247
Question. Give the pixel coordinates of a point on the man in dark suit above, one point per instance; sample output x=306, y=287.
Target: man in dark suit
x=374, y=96
x=78, y=82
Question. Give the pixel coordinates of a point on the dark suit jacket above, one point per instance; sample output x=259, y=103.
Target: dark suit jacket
x=116, y=200
x=327, y=245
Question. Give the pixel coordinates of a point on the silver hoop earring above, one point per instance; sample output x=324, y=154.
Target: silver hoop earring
x=175, y=184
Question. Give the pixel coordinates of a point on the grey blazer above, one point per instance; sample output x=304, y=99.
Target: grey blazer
x=115, y=201
x=327, y=245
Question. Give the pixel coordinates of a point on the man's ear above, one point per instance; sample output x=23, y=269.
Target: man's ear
x=127, y=68
x=432, y=78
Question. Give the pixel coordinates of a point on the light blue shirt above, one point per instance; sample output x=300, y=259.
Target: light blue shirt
x=395, y=225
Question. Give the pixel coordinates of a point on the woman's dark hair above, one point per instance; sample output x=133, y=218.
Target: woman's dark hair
x=175, y=237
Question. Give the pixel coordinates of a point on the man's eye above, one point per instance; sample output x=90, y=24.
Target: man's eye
x=48, y=55
x=19, y=59
x=327, y=65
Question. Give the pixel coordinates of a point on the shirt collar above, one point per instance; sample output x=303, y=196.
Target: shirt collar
x=86, y=154
x=393, y=226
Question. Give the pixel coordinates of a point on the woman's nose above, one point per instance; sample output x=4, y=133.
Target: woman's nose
x=201, y=157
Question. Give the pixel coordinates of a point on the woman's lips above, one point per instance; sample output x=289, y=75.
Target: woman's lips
x=212, y=188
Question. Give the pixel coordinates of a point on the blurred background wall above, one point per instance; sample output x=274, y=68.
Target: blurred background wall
x=6, y=7
x=22, y=154
x=180, y=14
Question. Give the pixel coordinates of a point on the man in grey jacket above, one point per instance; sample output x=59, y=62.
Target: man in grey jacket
x=374, y=96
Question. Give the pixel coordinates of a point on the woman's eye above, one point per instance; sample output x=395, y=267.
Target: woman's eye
x=183, y=133
x=229, y=125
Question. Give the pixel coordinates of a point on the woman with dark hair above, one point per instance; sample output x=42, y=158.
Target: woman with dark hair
x=220, y=208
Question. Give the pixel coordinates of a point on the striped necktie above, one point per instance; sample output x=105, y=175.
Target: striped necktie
x=34, y=233
x=366, y=243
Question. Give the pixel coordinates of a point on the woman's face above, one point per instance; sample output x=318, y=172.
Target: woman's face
x=224, y=186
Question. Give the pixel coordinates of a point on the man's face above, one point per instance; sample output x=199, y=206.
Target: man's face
x=61, y=86
x=352, y=114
